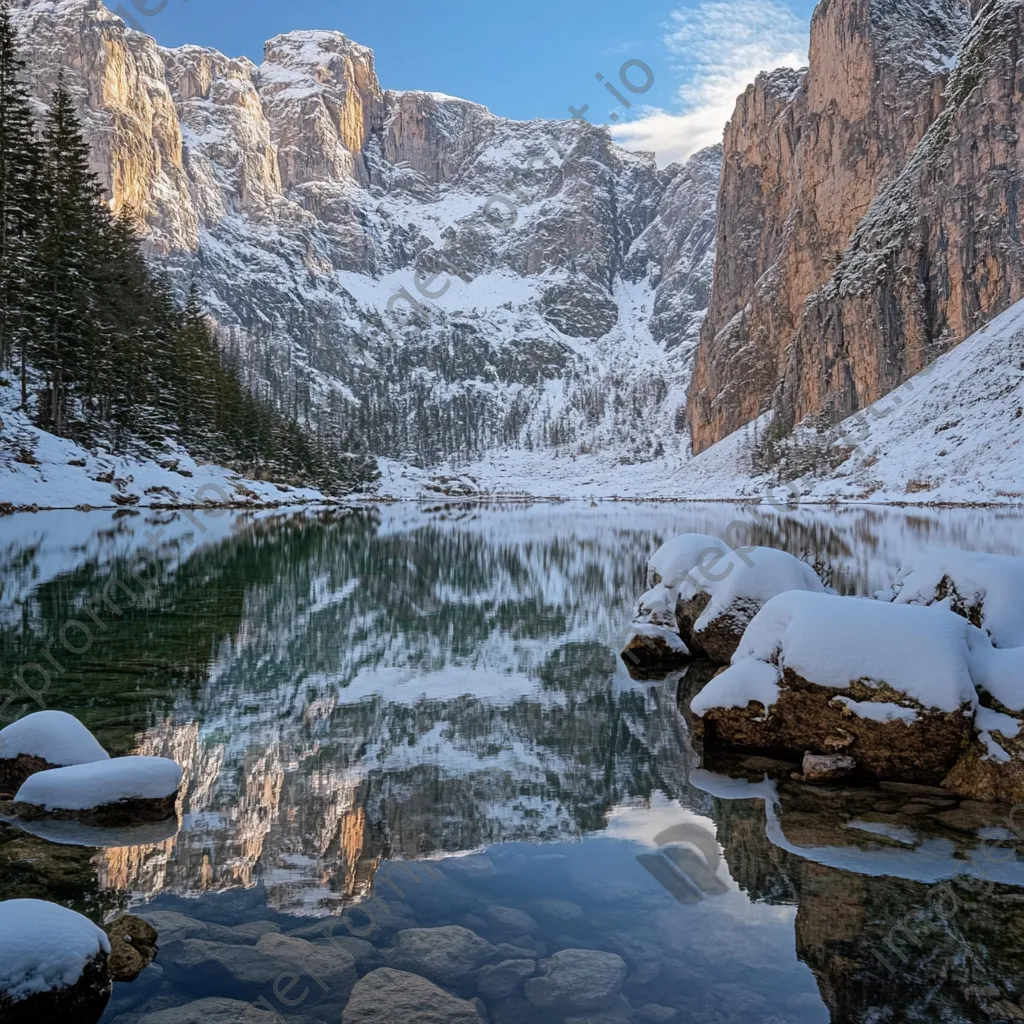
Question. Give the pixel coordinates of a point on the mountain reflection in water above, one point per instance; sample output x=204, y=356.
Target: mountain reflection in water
x=346, y=689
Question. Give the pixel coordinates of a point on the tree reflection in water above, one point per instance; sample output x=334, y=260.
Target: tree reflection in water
x=352, y=687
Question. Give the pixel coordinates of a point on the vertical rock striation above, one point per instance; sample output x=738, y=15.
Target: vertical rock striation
x=807, y=154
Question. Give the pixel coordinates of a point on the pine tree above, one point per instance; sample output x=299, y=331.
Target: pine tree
x=71, y=248
x=122, y=364
x=19, y=207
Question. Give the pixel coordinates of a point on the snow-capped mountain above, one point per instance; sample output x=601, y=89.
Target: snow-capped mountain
x=444, y=281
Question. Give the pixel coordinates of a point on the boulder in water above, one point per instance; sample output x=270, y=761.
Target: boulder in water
x=41, y=741
x=53, y=964
x=121, y=791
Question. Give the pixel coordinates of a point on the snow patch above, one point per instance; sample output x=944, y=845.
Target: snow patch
x=878, y=711
x=678, y=556
x=742, y=683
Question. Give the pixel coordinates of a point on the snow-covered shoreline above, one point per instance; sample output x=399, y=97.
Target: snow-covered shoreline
x=947, y=438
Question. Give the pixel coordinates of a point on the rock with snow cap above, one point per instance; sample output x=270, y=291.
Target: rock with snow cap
x=718, y=597
x=53, y=964
x=44, y=740
x=890, y=686
x=122, y=790
x=992, y=767
x=986, y=589
x=703, y=594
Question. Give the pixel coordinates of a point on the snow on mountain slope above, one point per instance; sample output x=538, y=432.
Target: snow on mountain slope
x=41, y=469
x=443, y=282
x=953, y=433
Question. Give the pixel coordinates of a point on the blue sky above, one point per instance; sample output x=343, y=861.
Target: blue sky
x=536, y=58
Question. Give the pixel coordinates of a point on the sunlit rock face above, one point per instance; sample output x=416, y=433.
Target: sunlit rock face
x=866, y=220
x=555, y=270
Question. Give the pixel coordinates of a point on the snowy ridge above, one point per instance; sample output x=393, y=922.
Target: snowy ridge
x=556, y=270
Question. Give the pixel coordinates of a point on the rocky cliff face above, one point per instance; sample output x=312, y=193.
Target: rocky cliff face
x=439, y=280
x=939, y=253
x=828, y=166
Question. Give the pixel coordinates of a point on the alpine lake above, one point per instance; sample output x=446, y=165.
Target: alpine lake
x=409, y=742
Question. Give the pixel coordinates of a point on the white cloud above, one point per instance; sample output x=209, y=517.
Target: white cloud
x=718, y=49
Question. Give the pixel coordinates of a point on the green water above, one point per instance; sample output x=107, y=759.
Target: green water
x=440, y=689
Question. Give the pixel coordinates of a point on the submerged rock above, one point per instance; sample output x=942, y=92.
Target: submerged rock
x=132, y=946
x=446, y=955
x=247, y=971
x=578, y=979
x=388, y=996
x=499, y=981
x=214, y=1010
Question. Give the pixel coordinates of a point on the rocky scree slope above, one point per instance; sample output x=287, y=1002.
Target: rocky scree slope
x=306, y=201
x=869, y=218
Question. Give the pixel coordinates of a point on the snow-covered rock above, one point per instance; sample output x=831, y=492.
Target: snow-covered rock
x=706, y=592
x=654, y=641
x=715, y=604
x=650, y=646
x=889, y=685
x=986, y=589
x=908, y=692
x=992, y=768
x=53, y=964
x=120, y=790
x=44, y=740
x=676, y=557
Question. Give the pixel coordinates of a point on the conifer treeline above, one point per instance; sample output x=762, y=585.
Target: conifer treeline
x=102, y=353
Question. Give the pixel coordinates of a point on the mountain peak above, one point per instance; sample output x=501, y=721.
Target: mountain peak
x=311, y=47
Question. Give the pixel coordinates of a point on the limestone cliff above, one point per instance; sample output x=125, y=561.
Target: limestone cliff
x=939, y=253
x=806, y=157
x=555, y=270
